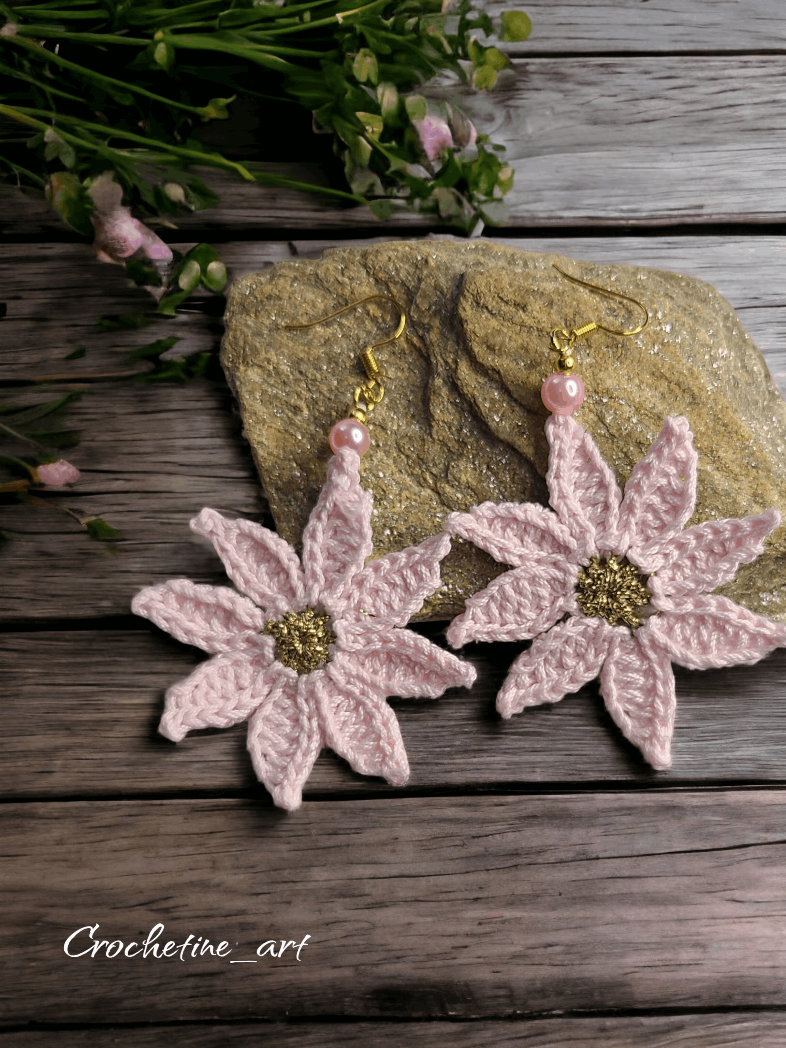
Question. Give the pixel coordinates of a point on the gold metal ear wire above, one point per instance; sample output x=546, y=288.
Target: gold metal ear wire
x=366, y=397
x=564, y=339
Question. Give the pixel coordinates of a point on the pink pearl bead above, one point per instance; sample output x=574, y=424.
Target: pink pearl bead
x=349, y=434
x=563, y=394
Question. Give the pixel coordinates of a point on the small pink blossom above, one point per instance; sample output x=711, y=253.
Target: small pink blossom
x=293, y=713
x=56, y=473
x=539, y=598
x=118, y=235
x=434, y=135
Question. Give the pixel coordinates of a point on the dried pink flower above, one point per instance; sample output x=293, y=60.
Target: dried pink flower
x=434, y=135
x=578, y=573
x=118, y=235
x=307, y=654
x=56, y=473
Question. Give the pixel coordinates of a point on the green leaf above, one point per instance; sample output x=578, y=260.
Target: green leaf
x=372, y=123
x=76, y=355
x=381, y=209
x=189, y=275
x=169, y=303
x=387, y=97
x=365, y=66
x=495, y=58
x=516, y=26
x=152, y=349
x=485, y=77
x=216, y=108
x=71, y=200
x=214, y=277
x=416, y=107
x=99, y=529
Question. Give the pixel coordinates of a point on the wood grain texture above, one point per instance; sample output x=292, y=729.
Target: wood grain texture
x=684, y=1031
x=503, y=906
x=149, y=480
x=56, y=294
x=81, y=711
x=593, y=141
x=151, y=459
x=670, y=26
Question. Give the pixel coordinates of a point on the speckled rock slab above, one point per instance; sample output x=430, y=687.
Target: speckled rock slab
x=462, y=421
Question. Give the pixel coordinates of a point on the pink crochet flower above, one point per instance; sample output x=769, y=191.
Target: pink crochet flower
x=335, y=618
x=574, y=572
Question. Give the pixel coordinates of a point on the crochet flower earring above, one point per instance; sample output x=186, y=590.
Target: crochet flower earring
x=309, y=649
x=612, y=585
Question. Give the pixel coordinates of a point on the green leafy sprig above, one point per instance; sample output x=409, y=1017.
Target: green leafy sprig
x=106, y=85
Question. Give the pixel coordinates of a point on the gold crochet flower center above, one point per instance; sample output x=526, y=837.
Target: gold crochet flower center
x=302, y=638
x=611, y=588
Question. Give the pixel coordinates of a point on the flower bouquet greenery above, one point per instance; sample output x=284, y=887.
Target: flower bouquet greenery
x=98, y=86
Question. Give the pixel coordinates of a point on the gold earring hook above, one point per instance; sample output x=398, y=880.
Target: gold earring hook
x=368, y=396
x=564, y=339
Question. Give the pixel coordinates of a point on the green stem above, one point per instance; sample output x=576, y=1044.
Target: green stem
x=9, y=71
x=80, y=38
x=22, y=437
x=338, y=19
x=208, y=159
x=88, y=74
x=23, y=170
x=26, y=116
x=33, y=11
x=204, y=43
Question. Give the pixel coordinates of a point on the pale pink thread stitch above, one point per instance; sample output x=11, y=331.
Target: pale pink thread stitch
x=341, y=704
x=547, y=549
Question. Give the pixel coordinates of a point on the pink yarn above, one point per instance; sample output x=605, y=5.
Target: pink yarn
x=341, y=704
x=688, y=626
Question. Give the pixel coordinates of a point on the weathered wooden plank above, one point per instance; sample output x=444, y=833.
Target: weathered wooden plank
x=81, y=710
x=683, y=1031
x=671, y=26
x=593, y=141
x=57, y=293
x=152, y=458
x=415, y=908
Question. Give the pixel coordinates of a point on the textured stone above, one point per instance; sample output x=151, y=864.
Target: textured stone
x=462, y=420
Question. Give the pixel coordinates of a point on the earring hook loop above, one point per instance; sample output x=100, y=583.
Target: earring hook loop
x=569, y=338
x=402, y=323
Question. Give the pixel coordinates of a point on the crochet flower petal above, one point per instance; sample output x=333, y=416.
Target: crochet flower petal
x=704, y=632
x=214, y=618
x=337, y=538
x=637, y=684
x=394, y=587
x=556, y=663
x=582, y=488
x=362, y=728
x=284, y=738
x=661, y=493
x=511, y=531
x=397, y=662
x=220, y=692
x=707, y=555
x=259, y=562
x=518, y=605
